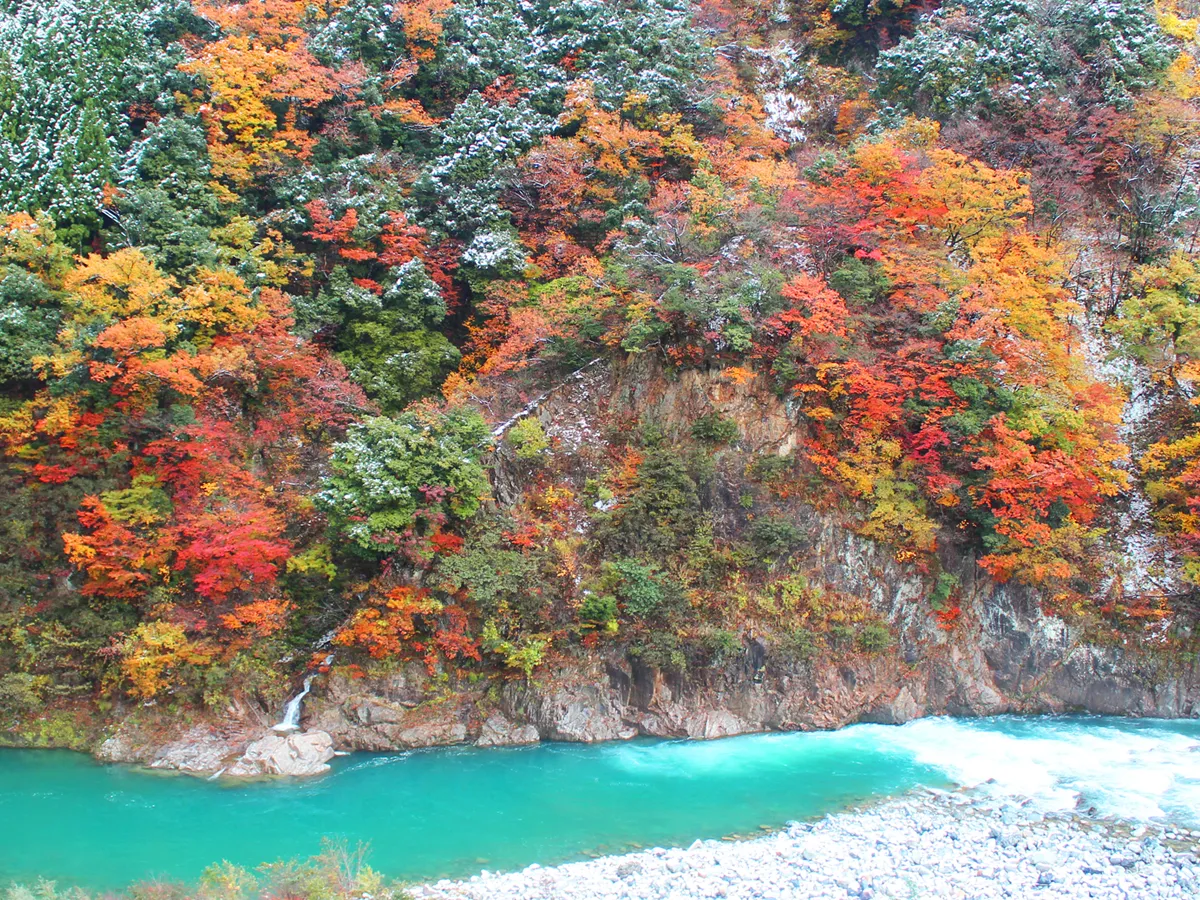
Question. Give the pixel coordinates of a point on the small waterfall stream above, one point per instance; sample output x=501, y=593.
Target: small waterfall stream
x=291, y=713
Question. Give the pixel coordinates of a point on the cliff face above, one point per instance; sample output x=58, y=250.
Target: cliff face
x=1002, y=655
x=1005, y=657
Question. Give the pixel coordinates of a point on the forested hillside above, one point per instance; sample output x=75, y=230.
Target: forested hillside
x=277, y=279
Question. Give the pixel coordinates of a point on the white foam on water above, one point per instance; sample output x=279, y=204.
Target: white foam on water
x=374, y=761
x=1136, y=770
x=1141, y=772
x=749, y=754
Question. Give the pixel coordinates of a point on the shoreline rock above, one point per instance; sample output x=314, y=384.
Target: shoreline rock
x=924, y=845
x=295, y=755
x=596, y=699
x=498, y=731
x=200, y=749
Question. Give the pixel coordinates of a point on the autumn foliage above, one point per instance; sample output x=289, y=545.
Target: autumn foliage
x=282, y=301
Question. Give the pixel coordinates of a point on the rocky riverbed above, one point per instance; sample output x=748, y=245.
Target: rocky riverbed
x=961, y=845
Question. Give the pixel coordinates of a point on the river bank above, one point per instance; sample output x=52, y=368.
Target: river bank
x=930, y=844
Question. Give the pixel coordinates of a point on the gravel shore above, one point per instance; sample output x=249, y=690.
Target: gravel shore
x=928, y=845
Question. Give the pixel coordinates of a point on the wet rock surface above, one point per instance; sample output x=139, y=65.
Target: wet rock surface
x=199, y=750
x=498, y=731
x=1006, y=660
x=296, y=755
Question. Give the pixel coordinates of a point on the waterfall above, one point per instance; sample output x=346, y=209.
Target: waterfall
x=291, y=712
x=327, y=638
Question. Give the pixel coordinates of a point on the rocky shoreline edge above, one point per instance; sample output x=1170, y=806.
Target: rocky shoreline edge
x=926, y=844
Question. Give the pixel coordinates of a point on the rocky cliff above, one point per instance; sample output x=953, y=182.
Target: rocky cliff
x=1002, y=655
x=1005, y=657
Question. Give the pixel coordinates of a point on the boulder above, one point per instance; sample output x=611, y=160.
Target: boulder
x=200, y=750
x=422, y=732
x=717, y=723
x=293, y=755
x=499, y=731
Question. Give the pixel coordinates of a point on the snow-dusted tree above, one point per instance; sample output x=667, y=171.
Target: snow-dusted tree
x=984, y=53
x=72, y=75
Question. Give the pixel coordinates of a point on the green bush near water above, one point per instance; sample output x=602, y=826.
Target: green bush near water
x=21, y=692
x=338, y=872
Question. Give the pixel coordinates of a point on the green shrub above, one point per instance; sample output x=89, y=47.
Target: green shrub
x=661, y=512
x=254, y=672
x=528, y=654
x=769, y=469
x=715, y=428
x=338, y=872
x=392, y=475
x=57, y=728
x=874, y=638
x=528, y=438
x=985, y=53
x=599, y=611
x=720, y=645
x=841, y=635
x=860, y=283
x=21, y=692
x=662, y=650
x=524, y=653
x=494, y=576
x=800, y=645
x=705, y=561
x=945, y=585
x=772, y=537
x=637, y=586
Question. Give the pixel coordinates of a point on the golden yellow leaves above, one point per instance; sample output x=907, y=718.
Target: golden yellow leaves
x=153, y=650
x=127, y=285
x=1173, y=20
x=739, y=375
x=1183, y=75
x=978, y=202
x=31, y=242
x=262, y=59
x=123, y=284
x=218, y=300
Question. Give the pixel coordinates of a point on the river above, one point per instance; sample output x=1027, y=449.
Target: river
x=451, y=812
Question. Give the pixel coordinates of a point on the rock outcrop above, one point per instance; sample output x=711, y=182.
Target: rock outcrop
x=499, y=731
x=1005, y=656
x=396, y=712
x=1016, y=662
x=295, y=755
x=201, y=749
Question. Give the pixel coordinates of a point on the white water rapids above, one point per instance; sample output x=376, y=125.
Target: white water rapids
x=1138, y=770
x=1143, y=770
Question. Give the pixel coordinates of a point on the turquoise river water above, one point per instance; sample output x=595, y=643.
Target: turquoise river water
x=451, y=812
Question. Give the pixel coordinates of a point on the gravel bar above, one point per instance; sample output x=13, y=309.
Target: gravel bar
x=926, y=845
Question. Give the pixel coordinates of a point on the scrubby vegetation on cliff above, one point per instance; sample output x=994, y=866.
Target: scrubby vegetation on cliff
x=276, y=276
